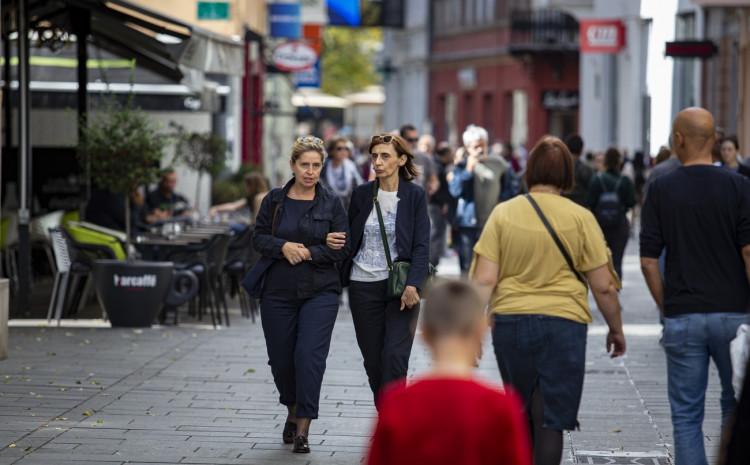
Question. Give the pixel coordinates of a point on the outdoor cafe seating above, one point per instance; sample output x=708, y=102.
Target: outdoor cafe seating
x=217, y=254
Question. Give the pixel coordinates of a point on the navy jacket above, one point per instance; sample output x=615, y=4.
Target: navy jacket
x=412, y=229
x=325, y=215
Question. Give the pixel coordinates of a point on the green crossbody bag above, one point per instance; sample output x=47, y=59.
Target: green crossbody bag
x=397, y=271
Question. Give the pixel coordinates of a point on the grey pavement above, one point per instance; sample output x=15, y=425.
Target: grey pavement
x=193, y=395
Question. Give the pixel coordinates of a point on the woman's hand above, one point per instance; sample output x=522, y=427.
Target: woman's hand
x=410, y=297
x=295, y=253
x=615, y=343
x=336, y=240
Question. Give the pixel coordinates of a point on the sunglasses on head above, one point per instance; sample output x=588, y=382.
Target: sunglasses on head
x=309, y=140
x=385, y=139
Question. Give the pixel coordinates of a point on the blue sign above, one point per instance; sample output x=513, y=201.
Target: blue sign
x=285, y=20
x=309, y=77
x=344, y=13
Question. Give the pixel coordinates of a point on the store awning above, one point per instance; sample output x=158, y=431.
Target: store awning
x=167, y=46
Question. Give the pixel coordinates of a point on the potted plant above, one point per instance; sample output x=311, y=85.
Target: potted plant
x=205, y=153
x=122, y=148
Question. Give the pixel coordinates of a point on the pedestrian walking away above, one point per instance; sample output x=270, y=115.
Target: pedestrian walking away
x=446, y=417
x=611, y=195
x=699, y=214
x=300, y=284
x=534, y=262
x=442, y=205
x=384, y=324
x=583, y=172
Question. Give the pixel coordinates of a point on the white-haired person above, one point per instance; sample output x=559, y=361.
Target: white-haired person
x=476, y=184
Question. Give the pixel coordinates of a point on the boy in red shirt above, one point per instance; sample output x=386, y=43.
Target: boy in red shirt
x=447, y=417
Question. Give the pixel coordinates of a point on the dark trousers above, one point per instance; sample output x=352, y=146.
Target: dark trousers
x=298, y=336
x=617, y=238
x=438, y=236
x=467, y=238
x=384, y=332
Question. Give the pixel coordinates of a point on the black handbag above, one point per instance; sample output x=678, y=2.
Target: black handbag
x=557, y=240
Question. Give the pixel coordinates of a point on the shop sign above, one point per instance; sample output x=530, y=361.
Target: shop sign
x=560, y=99
x=294, y=56
x=213, y=10
x=691, y=49
x=309, y=77
x=602, y=36
x=285, y=20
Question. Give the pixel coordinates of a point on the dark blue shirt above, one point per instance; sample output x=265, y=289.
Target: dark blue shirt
x=701, y=215
x=283, y=277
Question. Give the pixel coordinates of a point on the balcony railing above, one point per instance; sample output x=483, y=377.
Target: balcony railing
x=543, y=31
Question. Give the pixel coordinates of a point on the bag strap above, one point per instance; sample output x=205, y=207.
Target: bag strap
x=556, y=238
x=383, y=235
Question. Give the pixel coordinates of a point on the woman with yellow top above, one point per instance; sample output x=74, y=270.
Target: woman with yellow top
x=530, y=263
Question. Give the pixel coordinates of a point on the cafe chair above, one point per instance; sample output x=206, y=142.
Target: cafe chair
x=39, y=232
x=85, y=247
x=240, y=258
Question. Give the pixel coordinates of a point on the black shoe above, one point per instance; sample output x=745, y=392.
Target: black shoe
x=301, y=446
x=290, y=430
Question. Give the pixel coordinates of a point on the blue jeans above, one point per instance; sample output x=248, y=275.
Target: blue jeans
x=690, y=340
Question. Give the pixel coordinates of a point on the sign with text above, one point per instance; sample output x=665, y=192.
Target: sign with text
x=294, y=56
x=602, y=36
x=560, y=99
x=213, y=10
x=285, y=20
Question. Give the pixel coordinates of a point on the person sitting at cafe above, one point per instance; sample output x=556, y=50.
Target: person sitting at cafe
x=107, y=209
x=163, y=203
x=256, y=187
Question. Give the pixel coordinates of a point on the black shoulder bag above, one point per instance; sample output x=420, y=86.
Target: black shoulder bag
x=557, y=240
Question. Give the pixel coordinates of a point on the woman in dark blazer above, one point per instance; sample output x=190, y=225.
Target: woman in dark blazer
x=385, y=327
x=300, y=284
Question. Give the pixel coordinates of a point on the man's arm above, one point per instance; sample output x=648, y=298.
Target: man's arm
x=654, y=280
x=746, y=258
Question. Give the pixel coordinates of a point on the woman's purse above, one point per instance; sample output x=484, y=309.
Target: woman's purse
x=398, y=271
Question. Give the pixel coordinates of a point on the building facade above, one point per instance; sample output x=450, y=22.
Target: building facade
x=404, y=65
x=503, y=65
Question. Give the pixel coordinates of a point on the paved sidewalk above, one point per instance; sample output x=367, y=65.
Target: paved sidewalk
x=191, y=395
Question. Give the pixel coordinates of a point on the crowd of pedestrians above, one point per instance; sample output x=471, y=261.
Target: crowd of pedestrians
x=533, y=234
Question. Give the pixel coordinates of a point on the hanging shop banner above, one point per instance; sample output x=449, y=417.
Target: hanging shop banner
x=294, y=56
x=285, y=20
x=602, y=36
x=308, y=78
x=344, y=12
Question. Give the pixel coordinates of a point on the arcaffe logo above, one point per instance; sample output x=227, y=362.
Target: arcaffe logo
x=146, y=280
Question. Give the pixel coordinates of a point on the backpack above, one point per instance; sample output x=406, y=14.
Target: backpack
x=609, y=210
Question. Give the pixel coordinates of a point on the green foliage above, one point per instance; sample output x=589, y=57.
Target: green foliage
x=348, y=63
x=123, y=148
x=202, y=152
x=231, y=188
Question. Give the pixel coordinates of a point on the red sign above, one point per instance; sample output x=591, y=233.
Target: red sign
x=602, y=36
x=691, y=49
x=294, y=56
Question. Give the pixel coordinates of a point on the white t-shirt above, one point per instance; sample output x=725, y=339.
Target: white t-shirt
x=370, y=264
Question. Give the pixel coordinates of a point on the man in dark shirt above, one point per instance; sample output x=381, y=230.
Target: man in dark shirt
x=164, y=203
x=701, y=214
x=583, y=172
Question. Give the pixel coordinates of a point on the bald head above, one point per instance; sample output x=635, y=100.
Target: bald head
x=693, y=135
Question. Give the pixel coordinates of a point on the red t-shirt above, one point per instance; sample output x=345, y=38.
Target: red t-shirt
x=450, y=421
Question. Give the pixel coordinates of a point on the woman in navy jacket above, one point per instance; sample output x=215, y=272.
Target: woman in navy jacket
x=385, y=327
x=300, y=284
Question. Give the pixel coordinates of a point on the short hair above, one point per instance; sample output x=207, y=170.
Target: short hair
x=409, y=171
x=406, y=128
x=575, y=144
x=612, y=159
x=550, y=163
x=334, y=141
x=452, y=308
x=308, y=144
x=474, y=133
x=733, y=140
